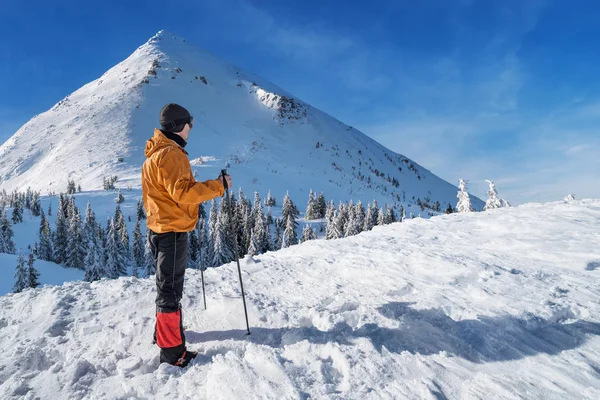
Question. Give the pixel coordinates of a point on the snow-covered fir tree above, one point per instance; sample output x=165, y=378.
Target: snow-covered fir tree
x=404, y=214
x=121, y=227
x=493, y=201
x=61, y=233
x=253, y=248
x=569, y=197
x=380, y=217
x=94, y=261
x=359, y=214
x=341, y=220
x=312, y=208
x=222, y=253
x=289, y=234
x=321, y=206
x=33, y=276
x=374, y=213
x=288, y=209
x=138, y=250
x=351, y=227
x=50, y=209
x=277, y=242
x=17, y=214
x=212, y=229
x=149, y=260
x=6, y=234
x=203, y=244
x=89, y=224
x=141, y=214
x=119, y=199
x=270, y=201
x=464, y=201
x=368, y=224
x=390, y=215
x=115, y=263
x=330, y=221
x=193, y=250
x=76, y=248
x=36, y=206
x=45, y=240
x=21, y=275
x=308, y=233
x=71, y=187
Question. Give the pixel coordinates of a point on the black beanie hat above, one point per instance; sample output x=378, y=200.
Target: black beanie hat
x=173, y=115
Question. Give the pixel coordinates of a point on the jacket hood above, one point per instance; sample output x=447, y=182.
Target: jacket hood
x=157, y=142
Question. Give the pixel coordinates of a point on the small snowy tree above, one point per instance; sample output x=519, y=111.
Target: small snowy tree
x=6, y=234
x=321, y=206
x=493, y=201
x=289, y=234
x=36, y=207
x=368, y=224
x=464, y=202
x=120, y=199
x=33, y=276
x=149, y=260
x=288, y=209
x=330, y=220
x=45, y=240
x=75, y=246
x=380, y=217
x=390, y=215
x=21, y=275
x=94, y=261
x=193, y=250
x=115, y=263
x=222, y=253
x=374, y=213
x=61, y=234
x=278, y=234
x=312, y=209
x=141, y=214
x=270, y=202
x=308, y=233
x=253, y=248
x=569, y=197
x=203, y=245
x=138, y=250
x=341, y=220
x=17, y=214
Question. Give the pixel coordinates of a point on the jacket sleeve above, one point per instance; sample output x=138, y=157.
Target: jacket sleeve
x=174, y=174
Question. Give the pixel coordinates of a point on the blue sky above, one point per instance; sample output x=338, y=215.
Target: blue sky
x=504, y=90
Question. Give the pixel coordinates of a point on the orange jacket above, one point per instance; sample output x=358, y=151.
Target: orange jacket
x=171, y=194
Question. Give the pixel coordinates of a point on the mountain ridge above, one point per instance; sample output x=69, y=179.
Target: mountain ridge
x=269, y=138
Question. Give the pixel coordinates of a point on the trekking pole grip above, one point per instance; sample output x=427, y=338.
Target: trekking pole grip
x=223, y=173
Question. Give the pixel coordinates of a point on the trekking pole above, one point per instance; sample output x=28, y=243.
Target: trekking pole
x=235, y=248
x=202, y=273
x=203, y=289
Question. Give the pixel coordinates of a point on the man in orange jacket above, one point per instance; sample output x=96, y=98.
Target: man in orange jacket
x=171, y=198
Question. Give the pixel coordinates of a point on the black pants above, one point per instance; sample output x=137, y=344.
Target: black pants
x=170, y=252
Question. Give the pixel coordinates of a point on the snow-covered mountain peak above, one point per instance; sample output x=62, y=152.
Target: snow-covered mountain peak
x=267, y=137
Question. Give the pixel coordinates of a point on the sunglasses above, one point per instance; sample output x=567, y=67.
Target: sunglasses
x=191, y=122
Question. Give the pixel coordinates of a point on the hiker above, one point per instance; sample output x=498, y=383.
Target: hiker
x=171, y=198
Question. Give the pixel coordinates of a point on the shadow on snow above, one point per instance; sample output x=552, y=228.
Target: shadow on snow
x=431, y=331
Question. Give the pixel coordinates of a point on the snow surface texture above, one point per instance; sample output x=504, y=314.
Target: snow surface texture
x=270, y=139
x=497, y=305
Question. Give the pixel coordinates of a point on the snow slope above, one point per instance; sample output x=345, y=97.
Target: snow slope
x=497, y=305
x=270, y=139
